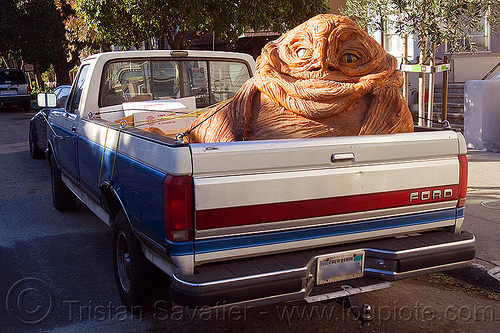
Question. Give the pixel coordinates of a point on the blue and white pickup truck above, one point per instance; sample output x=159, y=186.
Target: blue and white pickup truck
x=253, y=222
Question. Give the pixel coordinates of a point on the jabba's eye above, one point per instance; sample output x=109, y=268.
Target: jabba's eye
x=304, y=53
x=349, y=58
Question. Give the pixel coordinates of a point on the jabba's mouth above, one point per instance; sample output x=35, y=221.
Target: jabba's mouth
x=329, y=73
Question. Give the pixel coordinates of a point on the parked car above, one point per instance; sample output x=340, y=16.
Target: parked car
x=38, y=124
x=14, y=88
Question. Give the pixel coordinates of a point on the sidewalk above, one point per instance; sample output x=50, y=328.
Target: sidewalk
x=482, y=218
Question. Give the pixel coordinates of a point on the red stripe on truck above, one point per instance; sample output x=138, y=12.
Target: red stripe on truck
x=282, y=211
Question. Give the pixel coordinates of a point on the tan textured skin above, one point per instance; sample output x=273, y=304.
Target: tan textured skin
x=326, y=77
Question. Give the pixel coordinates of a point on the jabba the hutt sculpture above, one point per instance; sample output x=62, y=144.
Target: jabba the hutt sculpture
x=326, y=77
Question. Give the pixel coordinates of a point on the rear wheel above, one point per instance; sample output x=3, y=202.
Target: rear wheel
x=62, y=197
x=129, y=263
x=35, y=152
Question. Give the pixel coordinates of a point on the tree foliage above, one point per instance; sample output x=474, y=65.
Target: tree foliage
x=45, y=32
x=34, y=31
x=9, y=26
x=79, y=35
x=433, y=22
x=181, y=22
x=372, y=15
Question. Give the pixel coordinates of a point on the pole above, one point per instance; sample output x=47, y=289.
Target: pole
x=430, y=106
x=444, y=110
x=421, y=99
x=405, y=74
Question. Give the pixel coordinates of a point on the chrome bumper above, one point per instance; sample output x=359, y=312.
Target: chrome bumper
x=292, y=276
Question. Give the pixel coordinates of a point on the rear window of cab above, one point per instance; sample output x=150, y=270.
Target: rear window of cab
x=209, y=81
x=12, y=76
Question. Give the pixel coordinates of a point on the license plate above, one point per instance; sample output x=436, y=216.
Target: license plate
x=340, y=266
x=8, y=92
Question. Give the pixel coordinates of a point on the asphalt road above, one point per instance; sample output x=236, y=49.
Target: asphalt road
x=56, y=275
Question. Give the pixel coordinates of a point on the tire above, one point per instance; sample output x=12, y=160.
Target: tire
x=27, y=106
x=130, y=266
x=62, y=197
x=35, y=152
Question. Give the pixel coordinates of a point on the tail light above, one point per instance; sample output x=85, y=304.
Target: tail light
x=178, y=205
x=463, y=173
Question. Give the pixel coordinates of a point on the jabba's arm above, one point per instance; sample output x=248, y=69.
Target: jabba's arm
x=387, y=113
x=226, y=122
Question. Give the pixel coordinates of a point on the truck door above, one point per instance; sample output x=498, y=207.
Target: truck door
x=66, y=125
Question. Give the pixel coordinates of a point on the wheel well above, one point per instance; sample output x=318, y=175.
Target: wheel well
x=32, y=128
x=111, y=202
x=48, y=151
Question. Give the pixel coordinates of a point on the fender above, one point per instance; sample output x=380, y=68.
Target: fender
x=112, y=202
x=154, y=251
x=48, y=150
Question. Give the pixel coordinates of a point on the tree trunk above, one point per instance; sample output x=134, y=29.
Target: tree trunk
x=38, y=75
x=405, y=61
x=421, y=78
x=431, y=88
x=421, y=99
x=62, y=67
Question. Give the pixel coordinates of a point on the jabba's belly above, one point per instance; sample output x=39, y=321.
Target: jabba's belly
x=272, y=121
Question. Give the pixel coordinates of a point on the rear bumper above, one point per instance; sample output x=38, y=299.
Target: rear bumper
x=292, y=276
x=9, y=100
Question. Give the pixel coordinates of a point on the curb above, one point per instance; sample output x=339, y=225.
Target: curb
x=481, y=273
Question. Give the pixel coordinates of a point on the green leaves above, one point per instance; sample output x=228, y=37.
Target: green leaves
x=181, y=22
x=434, y=22
x=372, y=15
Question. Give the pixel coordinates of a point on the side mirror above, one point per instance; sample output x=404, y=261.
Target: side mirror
x=46, y=100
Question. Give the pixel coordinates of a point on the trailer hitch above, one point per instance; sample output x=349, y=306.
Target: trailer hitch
x=360, y=312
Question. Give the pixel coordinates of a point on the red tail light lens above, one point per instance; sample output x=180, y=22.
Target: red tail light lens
x=178, y=205
x=464, y=173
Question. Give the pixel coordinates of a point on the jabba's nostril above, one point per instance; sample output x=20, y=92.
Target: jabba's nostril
x=315, y=69
x=331, y=68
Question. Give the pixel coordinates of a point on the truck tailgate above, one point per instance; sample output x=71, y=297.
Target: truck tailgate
x=264, y=197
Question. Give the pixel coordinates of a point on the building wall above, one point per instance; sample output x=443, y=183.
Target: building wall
x=472, y=66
